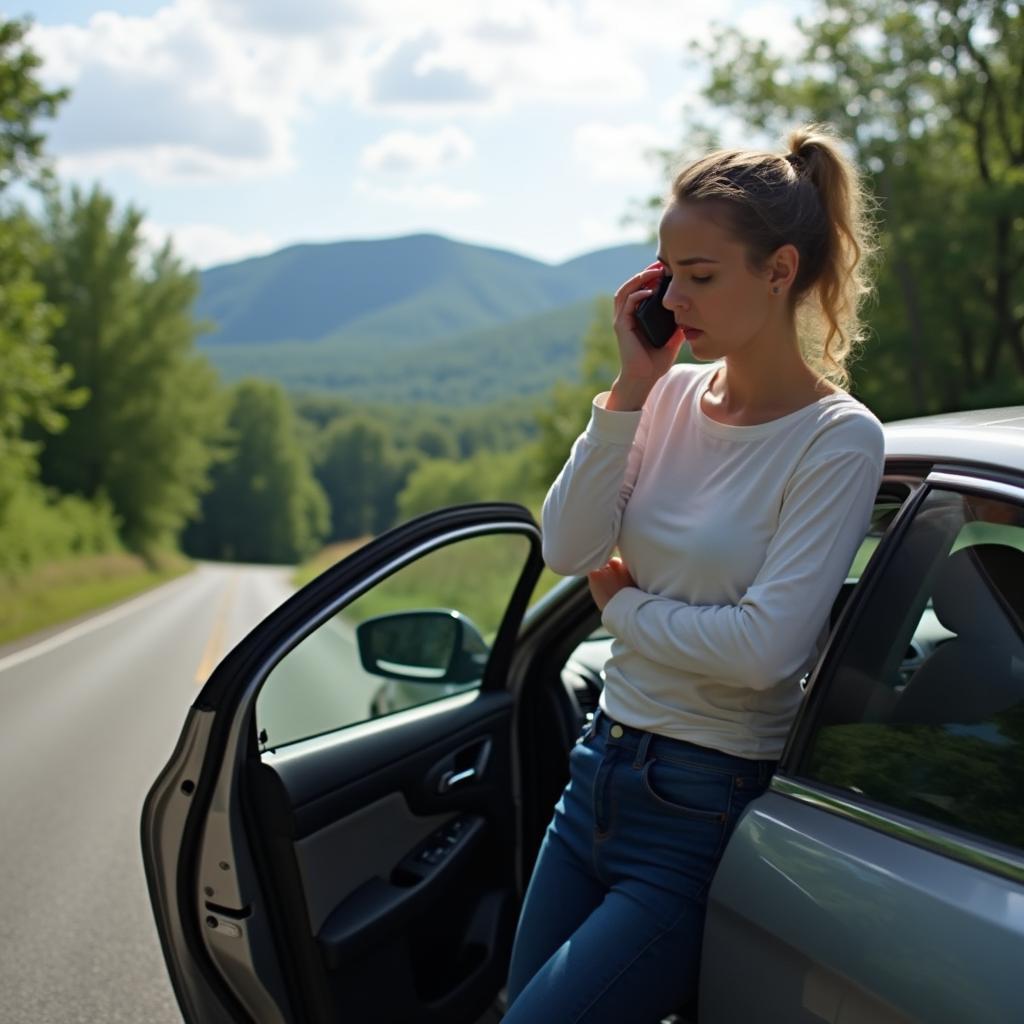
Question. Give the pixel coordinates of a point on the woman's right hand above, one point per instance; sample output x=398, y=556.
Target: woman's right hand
x=641, y=364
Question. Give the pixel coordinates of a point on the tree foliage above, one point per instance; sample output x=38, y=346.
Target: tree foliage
x=264, y=504
x=23, y=102
x=35, y=524
x=33, y=387
x=929, y=97
x=148, y=433
x=487, y=476
x=361, y=474
x=564, y=415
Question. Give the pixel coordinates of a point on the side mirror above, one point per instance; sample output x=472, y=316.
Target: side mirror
x=423, y=647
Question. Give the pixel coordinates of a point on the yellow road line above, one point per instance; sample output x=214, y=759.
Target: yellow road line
x=214, y=645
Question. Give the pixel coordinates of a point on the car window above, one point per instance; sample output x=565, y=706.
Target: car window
x=887, y=505
x=419, y=635
x=924, y=711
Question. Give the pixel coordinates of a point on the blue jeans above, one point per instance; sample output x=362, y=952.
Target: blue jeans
x=613, y=918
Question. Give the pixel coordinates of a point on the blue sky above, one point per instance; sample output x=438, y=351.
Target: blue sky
x=241, y=126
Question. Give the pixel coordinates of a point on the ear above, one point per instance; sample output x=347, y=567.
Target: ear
x=782, y=267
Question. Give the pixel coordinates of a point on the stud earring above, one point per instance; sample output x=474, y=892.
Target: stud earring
x=776, y=290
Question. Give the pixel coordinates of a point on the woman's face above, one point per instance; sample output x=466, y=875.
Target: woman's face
x=722, y=305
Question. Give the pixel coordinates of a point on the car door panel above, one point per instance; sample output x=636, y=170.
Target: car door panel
x=356, y=813
x=881, y=878
x=324, y=778
x=335, y=863
x=361, y=895
x=833, y=921
x=367, y=873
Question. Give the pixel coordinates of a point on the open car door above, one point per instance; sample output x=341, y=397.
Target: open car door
x=335, y=835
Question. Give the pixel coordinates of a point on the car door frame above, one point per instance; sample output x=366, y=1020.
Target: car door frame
x=921, y=477
x=193, y=829
x=968, y=476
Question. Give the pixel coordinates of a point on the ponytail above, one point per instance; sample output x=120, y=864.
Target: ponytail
x=812, y=198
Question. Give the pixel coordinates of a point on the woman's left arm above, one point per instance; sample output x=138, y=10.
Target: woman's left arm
x=770, y=634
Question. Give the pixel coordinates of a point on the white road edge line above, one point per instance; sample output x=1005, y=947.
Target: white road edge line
x=53, y=642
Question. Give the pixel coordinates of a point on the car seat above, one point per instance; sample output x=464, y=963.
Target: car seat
x=979, y=596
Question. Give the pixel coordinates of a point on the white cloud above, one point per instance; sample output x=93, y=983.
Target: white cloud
x=418, y=152
x=428, y=196
x=620, y=152
x=214, y=88
x=175, y=95
x=517, y=30
x=206, y=245
x=545, y=53
x=295, y=19
x=595, y=233
x=157, y=116
x=774, y=22
x=163, y=165
x=411, y=75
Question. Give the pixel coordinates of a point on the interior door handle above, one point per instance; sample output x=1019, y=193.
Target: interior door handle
x=452, y=779
x=465, y=766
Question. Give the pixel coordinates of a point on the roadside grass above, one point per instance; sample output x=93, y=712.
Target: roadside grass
x=475, y=576
x=59, y=591
x=324, y=559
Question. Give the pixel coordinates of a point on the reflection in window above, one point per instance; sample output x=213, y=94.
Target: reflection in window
x=323, y=685
x=925, y=712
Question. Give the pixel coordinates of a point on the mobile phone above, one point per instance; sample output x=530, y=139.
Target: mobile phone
x=656, y=323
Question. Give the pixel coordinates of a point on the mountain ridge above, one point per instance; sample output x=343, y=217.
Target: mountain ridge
x=314, y=312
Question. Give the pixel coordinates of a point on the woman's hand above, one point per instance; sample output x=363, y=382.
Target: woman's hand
x=606, y=582
x=641, y=363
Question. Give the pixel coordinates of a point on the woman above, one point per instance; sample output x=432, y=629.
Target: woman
x=737, y=493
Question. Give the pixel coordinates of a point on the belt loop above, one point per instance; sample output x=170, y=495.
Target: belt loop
x=641, y=751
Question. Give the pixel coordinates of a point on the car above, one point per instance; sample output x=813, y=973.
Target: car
x=317, y=853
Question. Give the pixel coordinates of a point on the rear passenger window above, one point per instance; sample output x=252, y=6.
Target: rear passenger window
x=925, y=711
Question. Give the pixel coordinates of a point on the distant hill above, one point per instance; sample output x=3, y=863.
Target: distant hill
x=419, y=316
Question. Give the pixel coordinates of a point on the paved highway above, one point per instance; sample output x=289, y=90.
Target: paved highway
x=88, y=717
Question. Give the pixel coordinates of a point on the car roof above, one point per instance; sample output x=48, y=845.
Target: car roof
x=994, y=437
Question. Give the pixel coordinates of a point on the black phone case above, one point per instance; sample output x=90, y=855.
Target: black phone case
x=656, y=323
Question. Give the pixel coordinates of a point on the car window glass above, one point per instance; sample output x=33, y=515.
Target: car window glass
x=924, y=711
x=884, y=512
x=419, y=635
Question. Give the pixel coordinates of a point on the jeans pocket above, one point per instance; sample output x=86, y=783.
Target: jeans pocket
x=702, y=794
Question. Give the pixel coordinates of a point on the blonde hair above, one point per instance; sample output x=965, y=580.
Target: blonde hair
x=813, y=198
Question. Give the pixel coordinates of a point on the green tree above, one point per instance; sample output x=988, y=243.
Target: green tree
x=566, y=410
x=23, y=103
x=487, y=476
x=928, y=95
x=33, y=388
x=264, y=504
x=361, y=474
x=150, y=430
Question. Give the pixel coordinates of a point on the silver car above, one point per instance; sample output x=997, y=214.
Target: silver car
x=315, y=853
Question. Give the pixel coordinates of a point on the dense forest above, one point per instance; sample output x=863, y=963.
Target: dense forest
x=118, y=434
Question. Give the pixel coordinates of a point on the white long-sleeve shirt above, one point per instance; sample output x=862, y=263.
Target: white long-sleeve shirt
x=738, y=538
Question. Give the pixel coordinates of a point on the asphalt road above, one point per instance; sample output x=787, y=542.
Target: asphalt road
x=88, y=717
